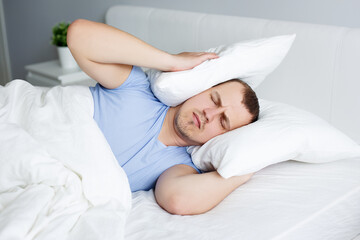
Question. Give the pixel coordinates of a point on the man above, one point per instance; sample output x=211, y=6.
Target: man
x=147, y=137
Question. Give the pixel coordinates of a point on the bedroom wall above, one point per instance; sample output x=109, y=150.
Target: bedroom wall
x=29, y=23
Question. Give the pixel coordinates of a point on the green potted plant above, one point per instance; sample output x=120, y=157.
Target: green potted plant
x=59, y=32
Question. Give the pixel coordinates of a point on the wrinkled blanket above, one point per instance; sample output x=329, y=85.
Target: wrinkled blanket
x=58, y=176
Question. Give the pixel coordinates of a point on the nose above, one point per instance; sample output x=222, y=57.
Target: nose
x=211, y=113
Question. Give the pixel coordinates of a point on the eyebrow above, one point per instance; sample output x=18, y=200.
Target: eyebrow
x=227, y=120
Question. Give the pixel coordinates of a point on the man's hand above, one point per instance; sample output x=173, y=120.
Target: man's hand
x=189, y=60
x=181, y=190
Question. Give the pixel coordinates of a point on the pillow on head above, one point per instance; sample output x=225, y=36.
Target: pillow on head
x=281, y=133
x=250, y=61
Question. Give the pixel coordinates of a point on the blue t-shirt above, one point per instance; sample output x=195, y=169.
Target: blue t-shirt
x=131, y=118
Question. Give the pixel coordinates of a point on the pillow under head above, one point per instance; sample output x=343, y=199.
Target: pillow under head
x=281, y=133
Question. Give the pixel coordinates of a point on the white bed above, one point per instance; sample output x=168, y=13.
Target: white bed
x=290, y=200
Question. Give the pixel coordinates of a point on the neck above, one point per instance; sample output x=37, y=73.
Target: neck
x=168, y=135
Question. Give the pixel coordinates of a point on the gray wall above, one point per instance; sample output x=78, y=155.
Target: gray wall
x=29, y=22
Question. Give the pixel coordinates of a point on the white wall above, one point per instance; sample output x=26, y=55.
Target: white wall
x=331, y=12
x=29, y=23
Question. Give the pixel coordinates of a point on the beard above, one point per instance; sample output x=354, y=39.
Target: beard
x=184, y=127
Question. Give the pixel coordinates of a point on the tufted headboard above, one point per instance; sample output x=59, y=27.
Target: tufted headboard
x=321, y=73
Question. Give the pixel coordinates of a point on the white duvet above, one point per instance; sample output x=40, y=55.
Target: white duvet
x=58, y=176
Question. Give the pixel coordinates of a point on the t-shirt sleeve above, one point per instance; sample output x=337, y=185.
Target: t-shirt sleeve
x=136, y=79
x=187, y=159
x=191, y=164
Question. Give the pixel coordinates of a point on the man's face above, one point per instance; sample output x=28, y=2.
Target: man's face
x=211, y=113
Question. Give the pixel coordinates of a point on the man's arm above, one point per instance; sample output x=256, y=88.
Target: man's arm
x=107, y=54
x=181, y=190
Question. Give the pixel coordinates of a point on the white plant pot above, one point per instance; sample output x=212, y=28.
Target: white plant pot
x=67, y=61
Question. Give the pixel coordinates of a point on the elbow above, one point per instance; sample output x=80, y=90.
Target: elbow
x=74, y=32
x=175, y=204
x=179, y=204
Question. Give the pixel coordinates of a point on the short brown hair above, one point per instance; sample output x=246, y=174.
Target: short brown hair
x=250, y=99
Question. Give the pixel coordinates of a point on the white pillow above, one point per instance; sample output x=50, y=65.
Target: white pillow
x=250, y=61
x=282, y=133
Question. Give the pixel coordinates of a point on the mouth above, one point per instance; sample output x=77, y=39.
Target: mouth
x=196, y=120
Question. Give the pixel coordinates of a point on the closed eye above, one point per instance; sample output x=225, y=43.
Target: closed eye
x=212, y=98
x=222, y=122
x=215, y=101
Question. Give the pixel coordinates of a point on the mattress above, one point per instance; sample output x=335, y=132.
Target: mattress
x=289, y=200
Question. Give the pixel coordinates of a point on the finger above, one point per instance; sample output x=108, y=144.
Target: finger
x=209, y=56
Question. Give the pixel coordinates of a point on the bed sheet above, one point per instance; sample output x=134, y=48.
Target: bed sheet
x=285, y=201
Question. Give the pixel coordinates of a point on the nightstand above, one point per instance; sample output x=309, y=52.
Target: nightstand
x=50, y=74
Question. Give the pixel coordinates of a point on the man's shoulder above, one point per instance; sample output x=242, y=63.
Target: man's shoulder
x=136, y=79
x=178, y=153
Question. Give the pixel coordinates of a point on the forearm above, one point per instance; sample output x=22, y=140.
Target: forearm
x=191, y=193
x=102, y=43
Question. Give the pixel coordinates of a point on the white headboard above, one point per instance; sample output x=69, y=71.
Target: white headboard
x=321, y=73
